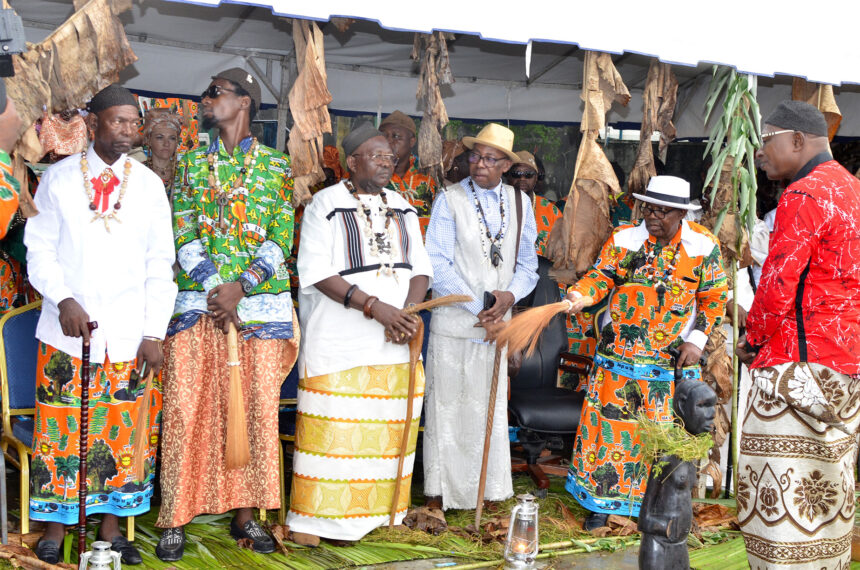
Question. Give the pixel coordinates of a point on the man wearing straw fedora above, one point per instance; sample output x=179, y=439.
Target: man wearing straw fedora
x=481, y=241
x=101, y=250
x=667, y=290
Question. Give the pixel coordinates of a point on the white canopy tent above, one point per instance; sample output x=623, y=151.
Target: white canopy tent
x=181, y=44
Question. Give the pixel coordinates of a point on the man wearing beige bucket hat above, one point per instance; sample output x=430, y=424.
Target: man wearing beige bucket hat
x=481, y=241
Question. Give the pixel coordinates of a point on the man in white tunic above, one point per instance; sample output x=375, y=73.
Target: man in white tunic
x=361, y=262
x=481, y=239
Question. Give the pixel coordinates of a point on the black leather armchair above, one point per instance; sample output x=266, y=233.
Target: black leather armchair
x=541, y=410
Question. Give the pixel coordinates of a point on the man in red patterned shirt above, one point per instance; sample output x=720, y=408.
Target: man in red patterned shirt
x=795, y=472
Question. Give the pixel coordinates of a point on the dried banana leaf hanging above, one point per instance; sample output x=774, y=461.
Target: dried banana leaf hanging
x=80, y=58
x=822, y=97
x=658, y=107
x=431, y=51
x=309, y=99
x=576, y=242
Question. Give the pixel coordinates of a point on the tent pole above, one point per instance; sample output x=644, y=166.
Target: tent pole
x=283, y=105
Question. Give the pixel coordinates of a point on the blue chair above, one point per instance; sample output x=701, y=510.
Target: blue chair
x=18, y=352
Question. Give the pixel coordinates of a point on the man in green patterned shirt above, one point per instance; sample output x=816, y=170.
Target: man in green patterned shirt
x=233, y=225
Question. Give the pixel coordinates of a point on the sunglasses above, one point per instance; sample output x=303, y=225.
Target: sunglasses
x=215, y=91
x=475, y=158
x=527, y=174
x=657, y=213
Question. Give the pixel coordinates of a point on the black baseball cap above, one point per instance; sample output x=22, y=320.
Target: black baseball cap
x=244, y=80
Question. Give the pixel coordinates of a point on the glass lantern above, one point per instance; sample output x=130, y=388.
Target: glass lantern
x=521, y=546
x=101, y=557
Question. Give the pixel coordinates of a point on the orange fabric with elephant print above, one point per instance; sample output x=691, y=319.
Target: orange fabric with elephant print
x=113, y=409
x=659, y=298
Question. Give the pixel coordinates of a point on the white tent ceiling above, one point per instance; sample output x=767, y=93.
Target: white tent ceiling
x=180, y=45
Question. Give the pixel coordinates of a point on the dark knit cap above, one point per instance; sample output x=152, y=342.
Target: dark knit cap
x=798, y=116
x=111, y=96
x=244, y=80
x=2, y=96
x=358, y=136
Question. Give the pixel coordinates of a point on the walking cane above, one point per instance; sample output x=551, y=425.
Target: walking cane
x=238, y=451
x=82, y=455
x=414, y=352
x=491, y=410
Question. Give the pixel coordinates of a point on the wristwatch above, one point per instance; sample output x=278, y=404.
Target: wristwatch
x=247, y=286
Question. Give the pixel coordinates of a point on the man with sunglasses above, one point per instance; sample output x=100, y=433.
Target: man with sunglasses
x=415, y=187
x=526, y=175
x=233, y=226
x=798, y=443
x=666, y=290
x=481, y=241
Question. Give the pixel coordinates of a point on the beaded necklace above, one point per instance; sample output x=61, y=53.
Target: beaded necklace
x=88, y=188
x=240, y=186
x=379, y=243
x=650, y=268
x=495, y=254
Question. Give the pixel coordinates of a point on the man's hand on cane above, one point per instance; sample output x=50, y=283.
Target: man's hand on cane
x=74, y=319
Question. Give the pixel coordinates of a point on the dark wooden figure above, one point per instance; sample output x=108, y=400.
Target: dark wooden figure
x=666, y=514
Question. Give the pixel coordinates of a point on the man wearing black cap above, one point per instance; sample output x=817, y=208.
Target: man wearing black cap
x=233, y=223
x=10, y=124
x=361, y=261
x=100, y=249
x=798, y=446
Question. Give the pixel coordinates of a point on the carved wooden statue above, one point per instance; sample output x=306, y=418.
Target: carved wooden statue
x=666, y=514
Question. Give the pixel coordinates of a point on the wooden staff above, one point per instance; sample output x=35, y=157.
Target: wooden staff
x=85, y=429
x=414, y=353
x=141, y=430
x=415, y=345
x=238, y=450
x=491, y=410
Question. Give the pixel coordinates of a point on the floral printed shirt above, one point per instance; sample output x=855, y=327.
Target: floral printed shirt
x=254, y=246
x=807, y=307
x=417, y=189
x=546, y=215
x=9, y=187
x=677, y=297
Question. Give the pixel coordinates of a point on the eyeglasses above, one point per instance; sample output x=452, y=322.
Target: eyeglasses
x=215, y=91
x=380, y=159
x=475, y=158
x=527, y=174
x=765, y=137
x=650, y=210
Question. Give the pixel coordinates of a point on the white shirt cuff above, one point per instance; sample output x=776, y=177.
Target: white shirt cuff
x=698, y=338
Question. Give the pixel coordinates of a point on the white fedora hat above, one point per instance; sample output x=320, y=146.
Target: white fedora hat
x=669, y=191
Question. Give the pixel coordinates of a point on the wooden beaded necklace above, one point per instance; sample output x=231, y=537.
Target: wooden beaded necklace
x=379, y=243
x=224, y=198
x=88, y=188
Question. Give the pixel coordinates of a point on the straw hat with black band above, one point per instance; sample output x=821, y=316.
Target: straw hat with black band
x=669, y=191
x=497, y=137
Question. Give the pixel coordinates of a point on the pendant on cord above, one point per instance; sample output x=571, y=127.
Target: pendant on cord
x=495, y=255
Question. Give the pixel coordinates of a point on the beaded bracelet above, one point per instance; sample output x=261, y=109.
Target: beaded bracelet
x=348, y=295
x=368, y=304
